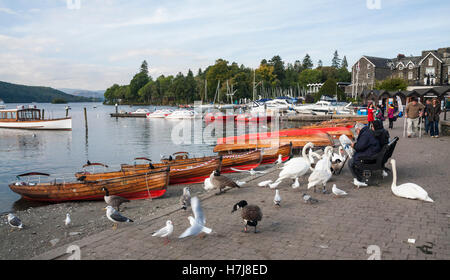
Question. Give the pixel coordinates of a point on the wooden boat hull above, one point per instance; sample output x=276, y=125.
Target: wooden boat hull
x=185, y=171
x=241, y=161
x=318, y=139
x=139, y=186
x=270, y=155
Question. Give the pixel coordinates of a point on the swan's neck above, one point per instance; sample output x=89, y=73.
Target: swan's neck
x=394, y=175
x=304, y=154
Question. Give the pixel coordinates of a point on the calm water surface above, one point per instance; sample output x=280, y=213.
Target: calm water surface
x=112, y=141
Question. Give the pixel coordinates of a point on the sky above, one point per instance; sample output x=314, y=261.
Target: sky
x=92, y=44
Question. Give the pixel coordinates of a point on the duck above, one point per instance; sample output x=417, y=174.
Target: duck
x=294, y=168
x=185, y=199
x=251, y=214
x=114, y=200
x=221, y=182
x=114, y=216
x=407, y=190
x=322, y=171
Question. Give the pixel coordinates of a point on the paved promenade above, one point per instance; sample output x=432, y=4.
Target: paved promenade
x=335, y=228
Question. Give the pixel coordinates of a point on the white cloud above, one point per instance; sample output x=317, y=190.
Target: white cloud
x=8, y=11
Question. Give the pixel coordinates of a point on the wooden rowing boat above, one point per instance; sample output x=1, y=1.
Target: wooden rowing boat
x=270, y=155
x=318, y=139
x=137, y=186
x=242, y=161
x=182, y=171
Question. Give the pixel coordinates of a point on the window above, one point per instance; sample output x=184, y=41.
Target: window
x=429, y=71
x=410, y=75
x=430, y=62
x=368, y=66
x=410, y=66
x=400, y=67
x=368, y=75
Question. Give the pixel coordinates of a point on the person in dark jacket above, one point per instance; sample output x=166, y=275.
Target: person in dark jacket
x=366, y=146
x=433, y=118
x=380, y=133
x=426, y=113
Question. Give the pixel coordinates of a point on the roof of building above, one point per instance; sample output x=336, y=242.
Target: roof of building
x=379, y=62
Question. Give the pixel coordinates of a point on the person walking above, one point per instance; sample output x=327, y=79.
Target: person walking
x=414, y=110
x=433, y=118
x=391, y=116
x=426, y=114
x=370, y=112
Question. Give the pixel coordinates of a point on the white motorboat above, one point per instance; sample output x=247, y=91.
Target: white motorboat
x=183, y=114
x=141, y=111
x=324, y=108
x=278, y=104
x=2, y=104
x=162, y=113
x=30, y=118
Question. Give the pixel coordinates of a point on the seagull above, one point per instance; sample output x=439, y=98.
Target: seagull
x=113, y=200
x=208, y=186
x=251, y=171
x=279, y=160
x=67, y=221
x=338, y=192
x=14, y=222
x=185, y=199
x=277, y=198
x=197, y=222
x=264, y=183
x=296, y=184
x=115, y=216
x=309, y=199
x=165, y=231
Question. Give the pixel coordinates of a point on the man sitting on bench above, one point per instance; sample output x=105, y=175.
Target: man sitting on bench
x=366, y=146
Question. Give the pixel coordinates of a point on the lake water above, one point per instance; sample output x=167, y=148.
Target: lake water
x=112, y=141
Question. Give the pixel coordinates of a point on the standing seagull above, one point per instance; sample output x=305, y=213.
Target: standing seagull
x=279, y=160
x=165, y=231
x=338, y=192
x=277, y=198
x=197, y=222
x=14, y=222
x=251, y=214
x=185, y=199
x=221, y=182
x=115, y=216
x=67, y=221
x=113, y=200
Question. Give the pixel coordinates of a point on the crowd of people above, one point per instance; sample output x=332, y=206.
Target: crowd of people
x=373, y=137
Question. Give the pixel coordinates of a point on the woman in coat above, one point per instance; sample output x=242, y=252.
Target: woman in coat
x=370, y=116
x=391, y=116
x=433, y=118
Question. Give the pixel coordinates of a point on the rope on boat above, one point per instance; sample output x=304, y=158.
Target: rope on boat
x=196, y=166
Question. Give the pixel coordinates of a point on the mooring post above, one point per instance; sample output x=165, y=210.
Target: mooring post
x=67, y=111
x=117, y=109
x=43, y=111
x=85, y=118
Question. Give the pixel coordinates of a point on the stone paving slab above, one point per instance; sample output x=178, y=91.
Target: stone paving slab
x=335, y=228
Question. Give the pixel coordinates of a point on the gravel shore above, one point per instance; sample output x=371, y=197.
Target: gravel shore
x=44, y=226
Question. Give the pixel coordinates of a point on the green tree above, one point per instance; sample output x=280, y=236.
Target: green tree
x=319, y=63
x=307, y=62
x=330, y=88
x=394, y=84
x=344, y=63
x=278, y=67
x=336, y=61
x=310, y=76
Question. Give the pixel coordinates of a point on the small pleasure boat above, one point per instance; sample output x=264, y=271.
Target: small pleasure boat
x=29, y=117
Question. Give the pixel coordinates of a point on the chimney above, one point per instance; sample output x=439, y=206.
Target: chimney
x=400, y=56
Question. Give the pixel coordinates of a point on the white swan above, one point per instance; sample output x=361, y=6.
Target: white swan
x=322, y=171
x=295, y=168
x=408, y=190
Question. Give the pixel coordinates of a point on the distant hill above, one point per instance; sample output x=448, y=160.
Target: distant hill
x=13, y=93
x=83, y=92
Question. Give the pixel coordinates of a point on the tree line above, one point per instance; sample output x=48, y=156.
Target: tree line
x=224, y=82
